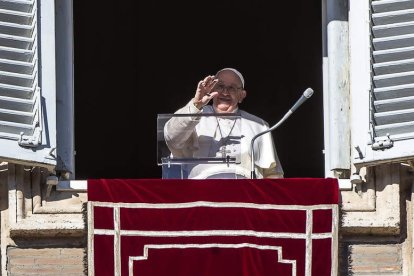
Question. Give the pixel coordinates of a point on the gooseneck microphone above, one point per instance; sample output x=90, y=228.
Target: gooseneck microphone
x=306, y=95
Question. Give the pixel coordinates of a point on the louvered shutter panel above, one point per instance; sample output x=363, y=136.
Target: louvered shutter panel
x=23, y=126
x=19, y=91
x=393, y=70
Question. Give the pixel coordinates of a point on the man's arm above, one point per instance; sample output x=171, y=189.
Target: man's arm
x=268, y=159
x=179, y=130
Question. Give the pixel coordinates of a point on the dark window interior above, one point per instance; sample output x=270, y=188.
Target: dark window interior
x=135, y=59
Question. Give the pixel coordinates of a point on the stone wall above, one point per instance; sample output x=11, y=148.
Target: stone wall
x=376, y=225
x=46, y=261
x=43, y=229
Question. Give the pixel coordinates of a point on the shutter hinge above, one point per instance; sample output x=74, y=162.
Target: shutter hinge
x=31, y=141
x=383, y=144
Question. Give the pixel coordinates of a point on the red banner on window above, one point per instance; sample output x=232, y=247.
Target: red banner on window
x=213, y=227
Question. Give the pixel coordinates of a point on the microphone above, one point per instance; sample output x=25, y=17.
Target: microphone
x=306, y=95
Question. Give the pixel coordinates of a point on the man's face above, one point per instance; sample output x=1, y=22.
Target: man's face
x=230, y=91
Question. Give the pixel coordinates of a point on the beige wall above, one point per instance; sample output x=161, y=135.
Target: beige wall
x=376, y=223
x=46, y=261
x=43, y=231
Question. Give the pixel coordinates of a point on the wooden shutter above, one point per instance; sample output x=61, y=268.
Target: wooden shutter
x=392, y=94
x=27, y=124
x=382, y=81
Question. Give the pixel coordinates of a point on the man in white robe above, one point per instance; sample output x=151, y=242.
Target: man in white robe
x=222, y=136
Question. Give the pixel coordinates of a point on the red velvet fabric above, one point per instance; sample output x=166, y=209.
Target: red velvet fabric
x=213, y=227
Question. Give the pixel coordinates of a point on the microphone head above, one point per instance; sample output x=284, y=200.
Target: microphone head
x=308, y=93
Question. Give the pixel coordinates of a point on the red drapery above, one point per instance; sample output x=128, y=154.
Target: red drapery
x=213, y=227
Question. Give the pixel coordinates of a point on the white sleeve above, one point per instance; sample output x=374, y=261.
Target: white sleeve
x=267, y=158
x=178, y=130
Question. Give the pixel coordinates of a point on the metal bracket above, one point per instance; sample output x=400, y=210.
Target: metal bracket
x=360, y=154
x=31, y=141
x=52, y=180
x=383, y=144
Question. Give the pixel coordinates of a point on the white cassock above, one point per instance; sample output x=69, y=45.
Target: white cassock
x=212, y=136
